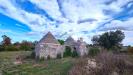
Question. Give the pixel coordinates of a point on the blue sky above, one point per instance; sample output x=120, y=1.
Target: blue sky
x=32, y=19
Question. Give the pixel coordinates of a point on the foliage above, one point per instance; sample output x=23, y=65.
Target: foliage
x=130, y=50
x=48, y=57
x=93, y=51
x=67, y=52
x=109, y=39
x=2, y=48
x=95, y=40
x=11, y=48
x=31, y=67
x=6, y=45
x=107, y=63
x=25, y=45
x=61, y=41
x=59, y=56
x=75, y=54
x=6, y=40
x=33, y=54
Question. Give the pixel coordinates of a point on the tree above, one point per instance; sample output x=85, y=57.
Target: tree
x=95, y=40
x=26, y=45
x=6, y=40
x=61, y=41
x=109, y=39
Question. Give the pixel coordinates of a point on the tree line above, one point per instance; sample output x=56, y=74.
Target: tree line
x=111, y=40
x=7, y=45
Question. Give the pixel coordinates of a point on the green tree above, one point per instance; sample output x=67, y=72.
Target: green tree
x=109, y=39
x=61, y=41
x=95, y=40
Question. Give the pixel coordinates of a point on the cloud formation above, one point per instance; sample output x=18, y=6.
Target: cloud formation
x=78, y=18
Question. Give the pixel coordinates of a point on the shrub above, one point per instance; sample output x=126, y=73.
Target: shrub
x=25, y=47
x=11, y=48
x=107, y=63
x=79, y=67
x=93, y=51
x=59, y=56
x=2, y=48
x=33, y=54
x=75, y=54
x=110, y=63
x=41, y=59
x=130, y=50
x=67, y=52
x=48, y=57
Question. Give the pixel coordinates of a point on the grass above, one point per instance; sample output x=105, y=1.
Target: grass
x=31, y=67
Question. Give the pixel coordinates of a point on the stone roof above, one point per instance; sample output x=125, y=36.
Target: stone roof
x=49, y=38
x=69, y=41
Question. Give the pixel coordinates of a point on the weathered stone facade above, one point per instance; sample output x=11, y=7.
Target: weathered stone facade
x=48, y=46
x=79, y=45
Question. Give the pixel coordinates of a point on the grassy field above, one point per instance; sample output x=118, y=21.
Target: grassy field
x=31, y=67
x=44, y=67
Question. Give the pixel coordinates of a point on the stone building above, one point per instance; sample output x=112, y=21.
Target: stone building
x=48, y=46
x=79, y=45
x=70, y=42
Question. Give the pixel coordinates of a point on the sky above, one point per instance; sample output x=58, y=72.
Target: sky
x=32, y=19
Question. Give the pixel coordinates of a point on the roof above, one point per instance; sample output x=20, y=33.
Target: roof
x=49, y=38
x=69, y=41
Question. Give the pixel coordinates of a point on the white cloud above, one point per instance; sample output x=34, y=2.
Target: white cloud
x=34, y=21
x=129, y=37
x=125, y=25
x=73, y=10
x=5, y=31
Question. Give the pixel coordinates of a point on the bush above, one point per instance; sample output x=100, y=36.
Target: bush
x=33, y=54
x=59, y=56
x=111, y=63
x=11, y=48
x=25, y=47
x=48, y=57
x=93, y=51
x=41, y=59
x=107, y=63
x=2, y=48
x=79, y=67
x=75, y=54
x=67, y=52
x=130, y=50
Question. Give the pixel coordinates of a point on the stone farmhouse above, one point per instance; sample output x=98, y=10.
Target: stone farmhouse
x=49, y=46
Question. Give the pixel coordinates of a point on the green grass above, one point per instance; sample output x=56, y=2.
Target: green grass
x=30, y=67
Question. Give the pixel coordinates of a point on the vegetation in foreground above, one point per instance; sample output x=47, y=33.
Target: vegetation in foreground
x=31, y=67
x=111, y=63
x=105, y=63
